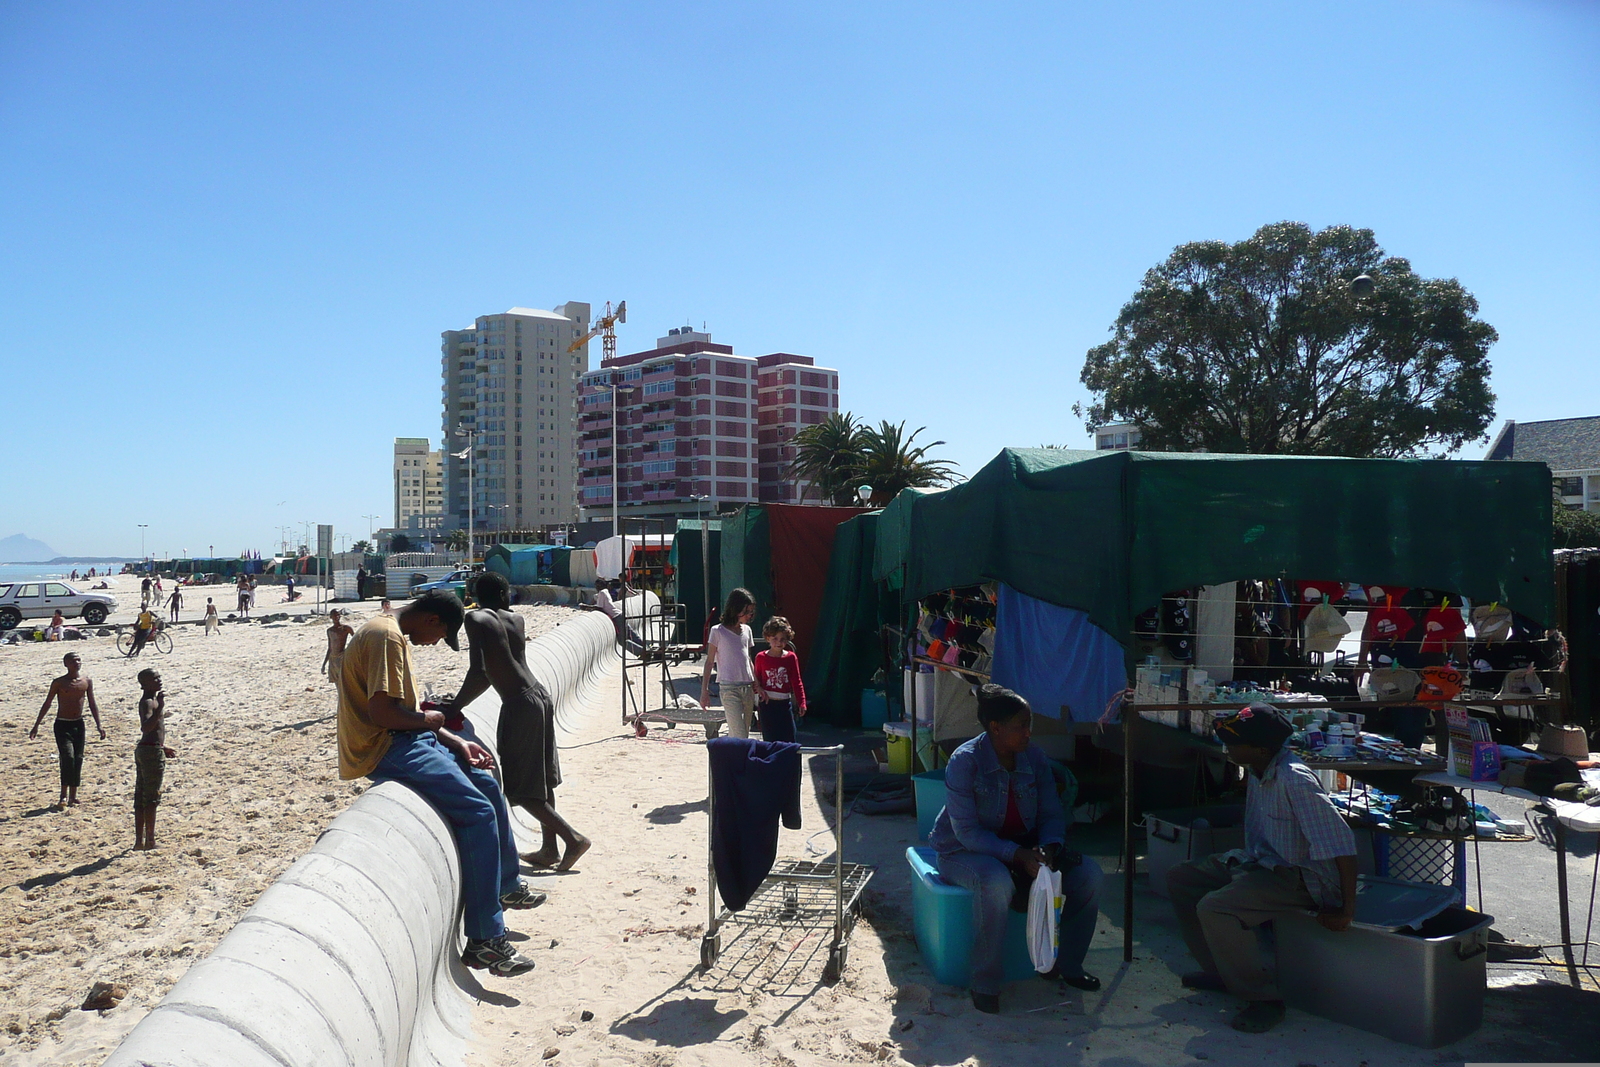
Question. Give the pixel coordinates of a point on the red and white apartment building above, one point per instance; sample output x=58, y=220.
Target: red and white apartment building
x=695, y=420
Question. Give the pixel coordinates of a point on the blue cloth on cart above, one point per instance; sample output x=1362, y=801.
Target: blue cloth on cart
x=754, y=784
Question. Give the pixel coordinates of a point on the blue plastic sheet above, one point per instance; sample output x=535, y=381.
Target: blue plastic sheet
x=1065, y=665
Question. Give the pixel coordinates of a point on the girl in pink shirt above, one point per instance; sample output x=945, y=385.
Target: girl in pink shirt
x=781, y=693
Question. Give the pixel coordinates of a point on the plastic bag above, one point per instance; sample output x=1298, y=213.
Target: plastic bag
x=1044, y=919
x=1323, y=628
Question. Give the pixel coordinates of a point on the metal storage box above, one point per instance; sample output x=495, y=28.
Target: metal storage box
x=1173, y=838
x=1422, y=986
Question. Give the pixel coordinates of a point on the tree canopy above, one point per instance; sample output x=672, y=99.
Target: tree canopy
x=839, y=455
x=1265, y=346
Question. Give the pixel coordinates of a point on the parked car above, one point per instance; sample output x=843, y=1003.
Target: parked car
x=41, y=600
x=459, y=582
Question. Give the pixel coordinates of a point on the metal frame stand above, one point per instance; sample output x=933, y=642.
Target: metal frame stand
x=798, y=893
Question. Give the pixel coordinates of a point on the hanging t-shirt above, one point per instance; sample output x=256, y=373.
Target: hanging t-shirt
x=1378, y=594
x=1441, y=628
x=733, y=654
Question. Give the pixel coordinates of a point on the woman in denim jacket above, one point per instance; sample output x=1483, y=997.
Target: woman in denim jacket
x=1001, y=822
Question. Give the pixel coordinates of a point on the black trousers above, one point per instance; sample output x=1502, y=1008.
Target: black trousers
x=70, y=736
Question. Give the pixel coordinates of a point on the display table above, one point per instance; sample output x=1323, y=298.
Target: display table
x=1567, y=816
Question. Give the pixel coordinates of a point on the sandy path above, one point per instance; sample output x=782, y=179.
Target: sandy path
x=256, y=781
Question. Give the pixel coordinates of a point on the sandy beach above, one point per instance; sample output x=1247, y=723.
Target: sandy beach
x=255, y=782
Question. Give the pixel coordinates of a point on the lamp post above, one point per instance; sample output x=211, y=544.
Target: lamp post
x=143, y=526
x=705, y=559
x=864, y=494
x=370, y=519
x=471, y=456
x=617, y=390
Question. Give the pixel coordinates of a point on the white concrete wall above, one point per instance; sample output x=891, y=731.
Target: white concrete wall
x=352, y=957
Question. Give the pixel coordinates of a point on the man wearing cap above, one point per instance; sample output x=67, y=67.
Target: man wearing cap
x=1299, y=856
x=385, y=736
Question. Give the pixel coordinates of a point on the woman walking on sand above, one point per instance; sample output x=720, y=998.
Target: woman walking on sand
x=211, y=617
x=728, y=652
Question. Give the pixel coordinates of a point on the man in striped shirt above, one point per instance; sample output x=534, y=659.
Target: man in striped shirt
x=1299, y=855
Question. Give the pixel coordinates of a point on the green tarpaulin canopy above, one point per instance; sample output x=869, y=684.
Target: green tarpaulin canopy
x=847, y=649
x=522, y=564
x=893, y=542
x=1109, y=533
x=691, y=587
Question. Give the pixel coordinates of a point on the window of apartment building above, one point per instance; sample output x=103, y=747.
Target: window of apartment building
x=731, y=409
x=811, y=418
x=732, y=448
x=730, y=429
x=730, y=489
x=1570, y=486
x=730, y=389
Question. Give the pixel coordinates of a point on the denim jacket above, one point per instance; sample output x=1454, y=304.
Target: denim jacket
x=976, y=787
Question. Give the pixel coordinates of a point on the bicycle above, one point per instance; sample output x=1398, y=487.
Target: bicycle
x=158, y=640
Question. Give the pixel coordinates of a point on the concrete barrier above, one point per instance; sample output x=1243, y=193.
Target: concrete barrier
x=352, y=957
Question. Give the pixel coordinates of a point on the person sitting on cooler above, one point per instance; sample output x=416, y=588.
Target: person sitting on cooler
x=1299, y=855
x=1001, y=822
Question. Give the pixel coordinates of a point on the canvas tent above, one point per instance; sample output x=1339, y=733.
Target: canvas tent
x=691, y=585
x=781, y=552
x=1110, y=533
x=522, y=564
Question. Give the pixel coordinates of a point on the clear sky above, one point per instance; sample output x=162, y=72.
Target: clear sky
x=230, y=234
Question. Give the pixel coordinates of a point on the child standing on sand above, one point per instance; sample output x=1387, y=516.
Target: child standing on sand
x=211, y=617
x=150, y=757
x=778, y=686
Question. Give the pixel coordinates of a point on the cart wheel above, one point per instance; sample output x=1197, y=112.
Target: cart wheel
x=708, y=952
x=836, y=964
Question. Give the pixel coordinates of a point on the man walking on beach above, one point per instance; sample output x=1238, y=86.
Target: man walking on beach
x=175, y=601
x=1299, y=856
x=529, y=763
x=70, y=691
x=338, y=634
x=385, y=736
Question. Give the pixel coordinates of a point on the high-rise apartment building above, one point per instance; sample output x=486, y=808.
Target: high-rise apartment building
x=418, y=484
x=689, y=422
x=510, y=381
x=792, y=393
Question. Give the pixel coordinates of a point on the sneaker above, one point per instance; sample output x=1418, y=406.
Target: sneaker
x=496, y=956
x=522, y=898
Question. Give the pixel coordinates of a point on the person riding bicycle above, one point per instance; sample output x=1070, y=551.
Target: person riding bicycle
x=146, y=625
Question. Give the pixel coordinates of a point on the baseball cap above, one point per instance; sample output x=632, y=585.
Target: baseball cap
x=445, y=604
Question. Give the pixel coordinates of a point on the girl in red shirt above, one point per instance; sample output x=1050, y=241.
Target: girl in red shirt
x=781, y=693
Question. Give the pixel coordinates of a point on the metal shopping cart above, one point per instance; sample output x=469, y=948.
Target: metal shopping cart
x=798, y=894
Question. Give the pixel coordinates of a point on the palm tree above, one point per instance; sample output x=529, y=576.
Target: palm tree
x=361, y=546
x=456, y=540
x=891, y=464
x=829, y=456
x=400, y=543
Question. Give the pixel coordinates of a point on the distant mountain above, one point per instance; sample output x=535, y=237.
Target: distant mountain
x=20, y=548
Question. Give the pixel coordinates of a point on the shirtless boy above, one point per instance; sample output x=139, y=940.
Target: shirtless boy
x=149, y=759
x=338, y=634
x=70, y=691
x=527, y=742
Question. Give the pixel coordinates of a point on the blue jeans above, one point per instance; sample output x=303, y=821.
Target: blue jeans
x=989, y=880
x=489, y=786
x=417, y=758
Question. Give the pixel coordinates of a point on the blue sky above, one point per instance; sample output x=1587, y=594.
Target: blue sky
x=231, y=234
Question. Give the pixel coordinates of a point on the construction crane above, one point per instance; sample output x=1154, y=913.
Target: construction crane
x=605, y=327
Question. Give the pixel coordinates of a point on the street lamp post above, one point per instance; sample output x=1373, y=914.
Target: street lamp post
x=705, y=561
x=370, y=519
x=143, y=526
x=472, y=449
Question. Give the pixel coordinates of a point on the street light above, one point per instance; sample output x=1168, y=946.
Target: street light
x=470, y=455
x=865, y=493
x=143, y=526
x=616, y=467
x=370, y=519
x=1362, y=285
x=705, y=560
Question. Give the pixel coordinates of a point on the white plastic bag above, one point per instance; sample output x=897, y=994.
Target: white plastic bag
x=1044, y=919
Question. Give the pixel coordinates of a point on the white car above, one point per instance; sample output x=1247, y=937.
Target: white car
x=41, y=600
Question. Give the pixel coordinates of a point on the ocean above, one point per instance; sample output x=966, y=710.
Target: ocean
x=29, y=572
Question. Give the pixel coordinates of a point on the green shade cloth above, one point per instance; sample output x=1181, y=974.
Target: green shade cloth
x=522, y=564
x=691, y=588
x=747, y=558
x=1109, y=533
x=893, y=542
x=847, y=648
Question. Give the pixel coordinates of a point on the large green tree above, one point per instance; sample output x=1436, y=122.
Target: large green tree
x=839, y=455
x=1273, y=346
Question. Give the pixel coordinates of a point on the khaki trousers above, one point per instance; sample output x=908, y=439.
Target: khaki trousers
x=739, y=704
x=1219, y=907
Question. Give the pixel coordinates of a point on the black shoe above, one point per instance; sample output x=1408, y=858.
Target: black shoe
x=1086, y=982
x=1259, y=1016
x=1205, y=980
x=988, y=1003
x=496, y=956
